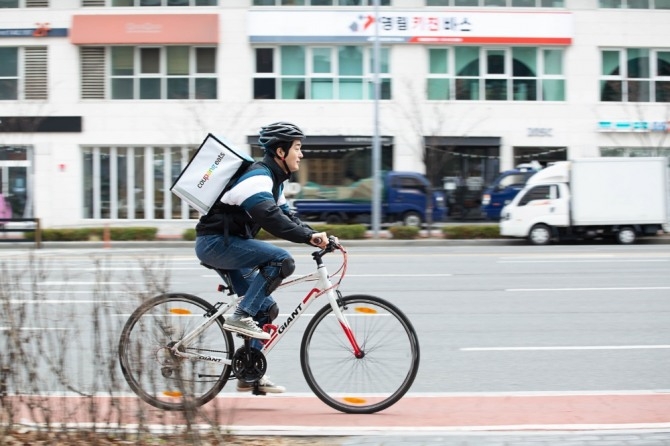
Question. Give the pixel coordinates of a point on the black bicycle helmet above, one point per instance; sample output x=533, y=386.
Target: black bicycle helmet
x=273, y=134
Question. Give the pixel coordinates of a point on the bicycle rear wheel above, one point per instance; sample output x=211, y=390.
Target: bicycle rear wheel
x=155, y=374
x=370, y=383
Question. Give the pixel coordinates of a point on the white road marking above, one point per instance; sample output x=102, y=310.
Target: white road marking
x=642, y=288
x=587, y=261
x=565, y=347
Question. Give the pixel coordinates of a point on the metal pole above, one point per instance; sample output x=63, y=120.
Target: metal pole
x=376, y=144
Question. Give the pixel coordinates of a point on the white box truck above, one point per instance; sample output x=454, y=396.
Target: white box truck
x=623, y=198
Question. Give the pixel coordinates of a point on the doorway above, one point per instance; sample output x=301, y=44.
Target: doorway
x=15, y=180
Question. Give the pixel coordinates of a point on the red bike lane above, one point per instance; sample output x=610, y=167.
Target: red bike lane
x=296, y=413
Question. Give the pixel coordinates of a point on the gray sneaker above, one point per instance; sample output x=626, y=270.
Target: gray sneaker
x=246, y=326
x=264, y=385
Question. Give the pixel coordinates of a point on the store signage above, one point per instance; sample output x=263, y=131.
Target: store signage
x=540, y=131
x=161, y=29
x=42, y=30
x=40, y=124
x=634, y=126
x=412, y=26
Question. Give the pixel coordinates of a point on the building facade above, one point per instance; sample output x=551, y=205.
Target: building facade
x=102, y=102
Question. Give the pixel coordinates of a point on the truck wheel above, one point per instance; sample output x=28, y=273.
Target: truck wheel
x=412, y=219
x=540, y=234
x=333, y=219
x=626, y=236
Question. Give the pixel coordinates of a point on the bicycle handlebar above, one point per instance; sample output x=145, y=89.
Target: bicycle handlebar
x=333, y=244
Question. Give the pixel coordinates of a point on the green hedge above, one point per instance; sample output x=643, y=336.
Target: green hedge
x=471, y=232
x=344, y=232
x=404, y=232
x=98, y=234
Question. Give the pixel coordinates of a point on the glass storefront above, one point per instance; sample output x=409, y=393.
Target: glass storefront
x=15, y=180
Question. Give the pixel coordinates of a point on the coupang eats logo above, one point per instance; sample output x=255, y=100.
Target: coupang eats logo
x=211, y=170
x=363, y=23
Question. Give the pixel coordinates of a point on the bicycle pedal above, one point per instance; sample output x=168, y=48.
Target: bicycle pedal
x=257, y=391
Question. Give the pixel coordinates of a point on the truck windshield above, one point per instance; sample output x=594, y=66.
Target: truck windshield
x=515, y=179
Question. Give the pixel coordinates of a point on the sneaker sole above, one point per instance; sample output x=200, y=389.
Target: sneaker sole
x=262, y=389
x=263, y=336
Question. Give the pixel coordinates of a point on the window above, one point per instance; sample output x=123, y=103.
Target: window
x=24, y=4
x=319, y=73
x=536, y=193
x=172, y=72
x=320, y=3
x=126, y=3
x=496, y=74
x=23, y=73
x=9, y=73
x=635, y=75
x=636, y=151
x=634, y=4
x=115, y=183
x=500, y=3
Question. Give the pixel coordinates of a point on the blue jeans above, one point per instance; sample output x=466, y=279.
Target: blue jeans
x=240, y=256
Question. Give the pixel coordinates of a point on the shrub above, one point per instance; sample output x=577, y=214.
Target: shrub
x=471, y=232
x=344, y=232
x=404, y=232
x=86, y=234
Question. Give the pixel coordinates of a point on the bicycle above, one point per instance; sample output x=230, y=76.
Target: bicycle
x=358, y=354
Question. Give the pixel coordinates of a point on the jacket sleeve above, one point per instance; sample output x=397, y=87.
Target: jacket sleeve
x=271, y=218
x=294, y=217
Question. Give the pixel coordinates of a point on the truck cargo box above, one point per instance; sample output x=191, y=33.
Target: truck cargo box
x=619, y=191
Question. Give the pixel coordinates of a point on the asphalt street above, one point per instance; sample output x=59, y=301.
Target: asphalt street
x=495, y=319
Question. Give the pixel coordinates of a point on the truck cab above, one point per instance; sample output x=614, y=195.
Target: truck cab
x=405, y=197
x=505, y=187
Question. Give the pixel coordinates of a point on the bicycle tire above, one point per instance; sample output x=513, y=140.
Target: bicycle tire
x=160, y=378
x=360, y=385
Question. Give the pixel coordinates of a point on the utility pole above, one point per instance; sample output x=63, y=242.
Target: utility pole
x=376, y=143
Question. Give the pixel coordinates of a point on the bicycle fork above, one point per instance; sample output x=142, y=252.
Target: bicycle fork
x=335, y=298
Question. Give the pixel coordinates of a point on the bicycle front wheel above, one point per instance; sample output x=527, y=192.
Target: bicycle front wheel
x=375, y=380
x=154, y=373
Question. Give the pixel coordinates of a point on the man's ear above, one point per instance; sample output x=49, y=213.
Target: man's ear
x=280, y=153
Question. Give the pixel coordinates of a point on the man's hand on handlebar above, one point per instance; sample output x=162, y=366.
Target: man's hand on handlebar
x=319, y=239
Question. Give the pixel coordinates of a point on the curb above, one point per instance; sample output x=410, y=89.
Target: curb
x=423, y=242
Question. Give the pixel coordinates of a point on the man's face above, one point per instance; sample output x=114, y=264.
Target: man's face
x=294, y=155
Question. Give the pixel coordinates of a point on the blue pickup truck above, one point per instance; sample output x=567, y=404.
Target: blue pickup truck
x=404, y=199
x=505, y=187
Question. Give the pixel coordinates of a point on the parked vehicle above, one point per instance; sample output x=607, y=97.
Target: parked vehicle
x=622, y=198
x=404, y=199
x=505, y=187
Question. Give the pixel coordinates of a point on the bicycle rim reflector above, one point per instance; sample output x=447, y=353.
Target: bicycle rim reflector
x=172, y=393
x=365, y=310
x=180, y=311
x=354, y=400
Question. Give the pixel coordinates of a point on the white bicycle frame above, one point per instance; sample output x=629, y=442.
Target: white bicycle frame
x=323, y=286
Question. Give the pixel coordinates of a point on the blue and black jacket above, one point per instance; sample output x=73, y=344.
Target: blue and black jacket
x=256, y=201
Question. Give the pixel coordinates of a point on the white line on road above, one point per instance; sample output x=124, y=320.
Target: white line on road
x=66, y=301
x=32, y=328
x=371, y=275
x=566, y=347
x=587, y=261
x=642, y=288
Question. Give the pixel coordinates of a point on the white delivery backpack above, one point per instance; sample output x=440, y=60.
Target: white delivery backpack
x=214, y=167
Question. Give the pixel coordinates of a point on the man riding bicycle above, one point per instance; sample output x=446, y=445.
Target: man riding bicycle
x=225, y=236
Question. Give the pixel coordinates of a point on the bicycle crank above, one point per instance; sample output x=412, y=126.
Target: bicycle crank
x=249, y=364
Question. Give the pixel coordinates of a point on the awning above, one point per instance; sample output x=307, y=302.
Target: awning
x=470, y=141
x=163, y=29
x=334, y=140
